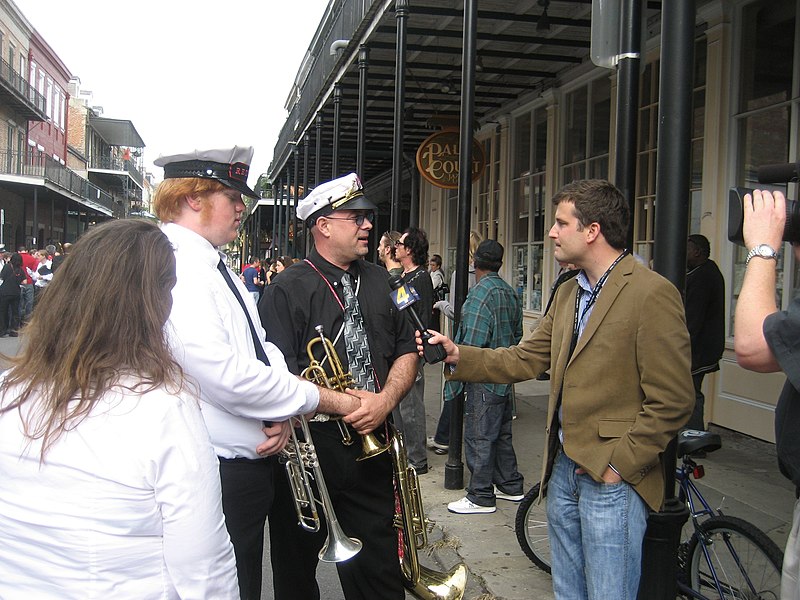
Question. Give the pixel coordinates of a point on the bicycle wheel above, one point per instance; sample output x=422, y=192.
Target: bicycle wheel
x=746, y=562
x=531, y=528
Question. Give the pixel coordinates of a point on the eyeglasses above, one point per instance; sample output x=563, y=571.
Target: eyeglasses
x=357, y=219
x=400, y=243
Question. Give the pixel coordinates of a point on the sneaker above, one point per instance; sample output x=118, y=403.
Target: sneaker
x=421, y=469
x=434, y=445
x=467, y=507
x=501, y=495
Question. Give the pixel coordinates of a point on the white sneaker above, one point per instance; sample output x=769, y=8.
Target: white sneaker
x=434, y=445
x=501, y=495
x=466, y=507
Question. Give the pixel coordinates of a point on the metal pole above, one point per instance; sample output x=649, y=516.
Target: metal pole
x=673, y=172
x=275, y=189
x=454, y=468
x=413, y=213
x=285, y=211
x=628, y=103
x=35, y=222
x=363, y=72
x=296, y=200
x=318, y=156
x=304, y=238
x=278, y=200
x=401, y=14
x=337, y=116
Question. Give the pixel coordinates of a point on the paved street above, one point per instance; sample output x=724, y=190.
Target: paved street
x=742, y=478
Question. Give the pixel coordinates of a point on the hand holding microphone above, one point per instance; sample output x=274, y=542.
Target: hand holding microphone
x=404, y=296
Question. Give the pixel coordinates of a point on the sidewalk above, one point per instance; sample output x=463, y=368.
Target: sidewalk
x=742, y=479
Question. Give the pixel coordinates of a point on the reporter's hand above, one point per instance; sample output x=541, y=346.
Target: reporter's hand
x=764, y=218
x=277, y=438
x=451, y=348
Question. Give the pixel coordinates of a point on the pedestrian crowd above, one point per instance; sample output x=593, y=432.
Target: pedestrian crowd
x=23, y=276
x=176, y=406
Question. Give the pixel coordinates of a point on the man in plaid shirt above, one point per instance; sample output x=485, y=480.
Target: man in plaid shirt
x=491, y=317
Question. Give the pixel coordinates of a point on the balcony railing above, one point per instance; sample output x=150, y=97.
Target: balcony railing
x=36, y=164
x=19, y=86
x=118, y=164
x=343, y=26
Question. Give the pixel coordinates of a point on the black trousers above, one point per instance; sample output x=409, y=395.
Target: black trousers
x=363, y=497
x=696, y=421
x=247, y=492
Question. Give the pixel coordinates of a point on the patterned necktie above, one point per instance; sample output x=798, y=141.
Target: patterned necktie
x=359, y=359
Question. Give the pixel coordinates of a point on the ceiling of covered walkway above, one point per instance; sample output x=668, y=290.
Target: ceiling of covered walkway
x=520, y=54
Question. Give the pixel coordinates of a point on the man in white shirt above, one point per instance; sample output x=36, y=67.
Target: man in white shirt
x=217, y=337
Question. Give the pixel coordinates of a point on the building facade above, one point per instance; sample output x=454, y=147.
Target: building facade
x=59, y=174
x=546, y=115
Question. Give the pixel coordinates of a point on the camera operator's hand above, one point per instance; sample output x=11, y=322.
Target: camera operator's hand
x=764, y=218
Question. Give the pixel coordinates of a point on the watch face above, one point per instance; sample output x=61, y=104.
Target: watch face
x=765, y=250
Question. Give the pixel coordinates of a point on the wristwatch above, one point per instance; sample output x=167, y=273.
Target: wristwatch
x=761, y=251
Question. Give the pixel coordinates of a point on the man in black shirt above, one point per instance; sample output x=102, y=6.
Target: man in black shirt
x=705, y=318
x=412, y=252
x=350, y=299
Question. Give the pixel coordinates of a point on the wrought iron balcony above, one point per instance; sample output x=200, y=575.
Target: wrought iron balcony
x=36, y=164
x=14, y=88
x=118, y=164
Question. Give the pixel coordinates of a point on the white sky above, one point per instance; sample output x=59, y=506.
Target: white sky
x=187, y=73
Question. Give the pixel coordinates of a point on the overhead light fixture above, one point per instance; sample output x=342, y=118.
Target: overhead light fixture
x=543, y=24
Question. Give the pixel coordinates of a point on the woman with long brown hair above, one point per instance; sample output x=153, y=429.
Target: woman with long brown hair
x=110, y=484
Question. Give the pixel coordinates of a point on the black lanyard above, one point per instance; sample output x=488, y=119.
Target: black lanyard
x=595, y=292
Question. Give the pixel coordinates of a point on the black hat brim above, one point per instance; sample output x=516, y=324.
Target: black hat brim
x=238, y=186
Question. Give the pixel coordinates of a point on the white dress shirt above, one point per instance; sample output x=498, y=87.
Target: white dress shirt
x=211, y=340
x=127, y=504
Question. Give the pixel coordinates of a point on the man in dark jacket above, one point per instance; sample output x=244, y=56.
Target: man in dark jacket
x=705, y=318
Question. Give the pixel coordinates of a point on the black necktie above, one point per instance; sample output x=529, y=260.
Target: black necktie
x=359, y=359
x=262, y=356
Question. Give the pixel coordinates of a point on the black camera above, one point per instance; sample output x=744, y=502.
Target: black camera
x=770, y=174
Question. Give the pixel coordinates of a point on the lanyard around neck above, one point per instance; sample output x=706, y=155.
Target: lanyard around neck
x=330, y=287
x=579, y=315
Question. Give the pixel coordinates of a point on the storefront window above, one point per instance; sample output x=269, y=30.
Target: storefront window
x=765, y=125
x=529, y=198
x=646, y=158
x=588, y=119
x=489, y=189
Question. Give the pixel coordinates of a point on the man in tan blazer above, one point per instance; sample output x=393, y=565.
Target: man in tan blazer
x=616, y=342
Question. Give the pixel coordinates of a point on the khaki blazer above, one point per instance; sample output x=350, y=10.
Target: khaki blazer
x=627, y=389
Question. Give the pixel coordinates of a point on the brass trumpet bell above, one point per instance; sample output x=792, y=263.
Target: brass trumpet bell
x=440, y=586
x=371, y=446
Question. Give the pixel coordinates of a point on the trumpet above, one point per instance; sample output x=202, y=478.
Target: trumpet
x=299, y=459
x=339, y=380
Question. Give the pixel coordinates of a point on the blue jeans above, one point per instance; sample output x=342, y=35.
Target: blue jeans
x=487, y=445
x=25, y=301
x=596, y=532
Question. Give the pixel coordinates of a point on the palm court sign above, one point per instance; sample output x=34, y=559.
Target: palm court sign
x=438, y=159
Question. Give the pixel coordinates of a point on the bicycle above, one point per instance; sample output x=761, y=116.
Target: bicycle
x=724, y=556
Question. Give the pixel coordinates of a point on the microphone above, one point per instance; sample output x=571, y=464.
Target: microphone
x=783, y=173
x=404, y=296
